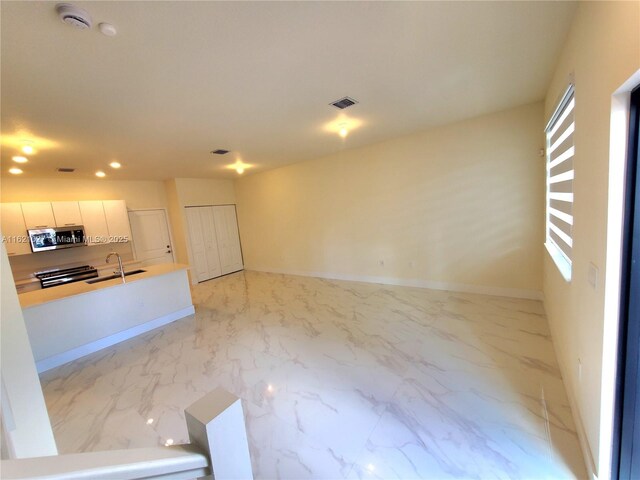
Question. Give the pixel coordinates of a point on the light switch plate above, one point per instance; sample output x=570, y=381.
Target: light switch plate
x=593, y=275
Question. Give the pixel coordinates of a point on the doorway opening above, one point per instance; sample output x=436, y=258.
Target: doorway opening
x=626, y=435
x=151, y=236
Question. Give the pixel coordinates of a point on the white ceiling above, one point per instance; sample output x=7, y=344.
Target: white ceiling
x=183, y=78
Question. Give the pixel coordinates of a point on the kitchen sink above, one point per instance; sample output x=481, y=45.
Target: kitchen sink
x=111, y=277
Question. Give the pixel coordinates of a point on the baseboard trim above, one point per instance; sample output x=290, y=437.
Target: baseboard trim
x=83, y=350
x=453, y=287
x=587, y=455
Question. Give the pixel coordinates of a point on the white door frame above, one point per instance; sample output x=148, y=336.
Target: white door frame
x=166, y=217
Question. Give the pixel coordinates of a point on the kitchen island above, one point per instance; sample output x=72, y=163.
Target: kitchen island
x=69, y=321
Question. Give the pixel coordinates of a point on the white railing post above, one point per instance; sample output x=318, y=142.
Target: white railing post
x=216, y=424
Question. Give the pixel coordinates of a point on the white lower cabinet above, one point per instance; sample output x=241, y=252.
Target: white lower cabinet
x=214, y=240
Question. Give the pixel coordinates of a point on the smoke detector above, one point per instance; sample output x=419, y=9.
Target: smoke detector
x=107, y=29
x=74, y=16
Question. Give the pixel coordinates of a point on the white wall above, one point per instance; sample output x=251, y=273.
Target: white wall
x=177, y=220
x=25, y=421
x=136, y=194
x=603, y=50
x=205, y=191
x=182, y=192
x=456, y=206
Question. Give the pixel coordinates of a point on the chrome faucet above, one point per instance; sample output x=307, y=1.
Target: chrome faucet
x=120, y=270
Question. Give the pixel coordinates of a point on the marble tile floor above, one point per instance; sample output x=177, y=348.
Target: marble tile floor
x=339, y=380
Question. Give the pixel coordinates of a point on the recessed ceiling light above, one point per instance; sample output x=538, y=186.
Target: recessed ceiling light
x=28, y=149
x=15, y=171
x=239, y=166
x=19, y=159
x=343, y=125
x=100, y=174
x=115, y=165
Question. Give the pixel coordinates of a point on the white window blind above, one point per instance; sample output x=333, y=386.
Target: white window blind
x=560, y=173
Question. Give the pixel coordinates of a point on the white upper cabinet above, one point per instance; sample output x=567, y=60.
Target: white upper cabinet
x=104, y=221
x=66, y=213
x=38, y=215
x=115, y=212
x=95, y=222
x=14, y=229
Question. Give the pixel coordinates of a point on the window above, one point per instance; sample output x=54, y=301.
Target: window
x=560, y=154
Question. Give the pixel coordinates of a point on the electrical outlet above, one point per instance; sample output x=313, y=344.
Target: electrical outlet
x=592, y=275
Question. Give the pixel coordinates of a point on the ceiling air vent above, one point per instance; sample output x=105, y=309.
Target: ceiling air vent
x=344, y=103
x=220, y=151
x=66, y=170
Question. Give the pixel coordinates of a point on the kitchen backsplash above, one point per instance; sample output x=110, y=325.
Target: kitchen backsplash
x=23, y=266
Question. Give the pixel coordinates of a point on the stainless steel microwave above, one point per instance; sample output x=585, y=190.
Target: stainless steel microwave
x=43, y=239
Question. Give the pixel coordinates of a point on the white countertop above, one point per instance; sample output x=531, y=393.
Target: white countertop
x=106, y=266
x=38, y=297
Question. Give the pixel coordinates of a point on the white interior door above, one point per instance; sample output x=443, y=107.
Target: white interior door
x=210, y=241
x=150, y=233
x=199, y=264
x=202, y=238
x=228, y=238
x=204, y=245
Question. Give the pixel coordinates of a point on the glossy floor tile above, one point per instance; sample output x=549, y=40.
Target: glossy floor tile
x=338, y=380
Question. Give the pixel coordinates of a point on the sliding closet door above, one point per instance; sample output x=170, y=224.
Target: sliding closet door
x=228, y=238
x=204, y=246
x=210, y=241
